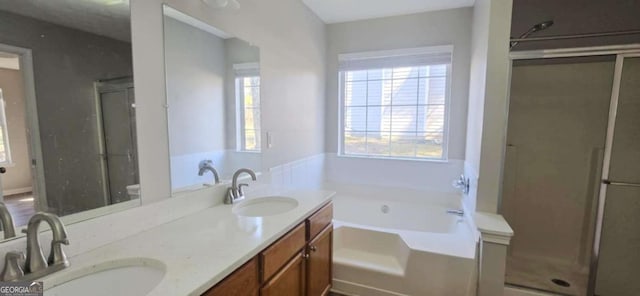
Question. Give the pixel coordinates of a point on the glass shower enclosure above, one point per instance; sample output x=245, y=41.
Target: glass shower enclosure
x=571, y=186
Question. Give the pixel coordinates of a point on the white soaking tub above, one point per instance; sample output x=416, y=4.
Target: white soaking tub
x=401, y=242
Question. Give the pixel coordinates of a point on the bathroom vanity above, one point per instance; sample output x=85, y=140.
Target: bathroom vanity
x=298, y=263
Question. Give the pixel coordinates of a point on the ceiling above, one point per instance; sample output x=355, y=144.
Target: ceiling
x=108, y=18
x=337, y=11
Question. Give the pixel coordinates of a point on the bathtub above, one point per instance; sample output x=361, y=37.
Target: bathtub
x=400, y=242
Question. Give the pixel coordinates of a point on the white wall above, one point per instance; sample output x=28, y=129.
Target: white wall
x=292, y=48
x=447, y=27
x=488, y=101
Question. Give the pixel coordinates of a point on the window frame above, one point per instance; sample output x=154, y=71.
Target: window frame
x=243, y=71
x=445, y=49
x=5, y=132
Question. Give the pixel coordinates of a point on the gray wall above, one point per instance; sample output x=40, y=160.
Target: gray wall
x=66, y=64
x=195, y=65
x=18, y=176
x=576, y=17
x=292, y=56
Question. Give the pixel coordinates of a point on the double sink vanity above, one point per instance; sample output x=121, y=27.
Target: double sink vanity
x=264, y=245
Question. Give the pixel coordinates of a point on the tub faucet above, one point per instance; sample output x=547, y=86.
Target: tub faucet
x=235, y=192
x=7, y=222
x=459, y=213
x=207, y=165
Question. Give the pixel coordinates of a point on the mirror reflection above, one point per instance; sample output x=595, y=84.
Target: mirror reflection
x=213, y=94
x=67, y=118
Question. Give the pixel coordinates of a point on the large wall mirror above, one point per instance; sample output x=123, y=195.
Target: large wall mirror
x=213, y=97
x=67, y=118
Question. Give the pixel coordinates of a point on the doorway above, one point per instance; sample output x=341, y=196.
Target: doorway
x=116, y=124
x=17, y=190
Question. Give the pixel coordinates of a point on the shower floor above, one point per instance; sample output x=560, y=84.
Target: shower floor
x=537, y=274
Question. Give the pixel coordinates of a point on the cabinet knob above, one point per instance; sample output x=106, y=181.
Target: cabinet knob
x=305, y=256
x=313, y=248
x=3, y=170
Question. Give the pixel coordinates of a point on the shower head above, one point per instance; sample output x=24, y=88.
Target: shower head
x=537, y=27
x=542, y=26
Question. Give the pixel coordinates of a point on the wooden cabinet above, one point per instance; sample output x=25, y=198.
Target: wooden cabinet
x=279, y=253
x=297, y=264
x=242, y=282
x=319, y=221
x=319, y=265
x=290, y=281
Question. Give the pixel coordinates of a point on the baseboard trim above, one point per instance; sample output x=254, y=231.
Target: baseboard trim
x=8, y=192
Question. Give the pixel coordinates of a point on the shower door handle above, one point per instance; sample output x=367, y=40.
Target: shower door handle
x=614, y=183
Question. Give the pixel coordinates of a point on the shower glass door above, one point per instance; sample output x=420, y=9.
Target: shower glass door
x=558, y=115
x=618, y=272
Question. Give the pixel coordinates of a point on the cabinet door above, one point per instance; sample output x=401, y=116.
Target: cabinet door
x=320, y=263
x=242, y=282
x=290, y=281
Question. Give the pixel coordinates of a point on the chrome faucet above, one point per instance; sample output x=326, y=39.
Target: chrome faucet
x=207, y=165
x=459, y=213
x=7, y=222
x=36, y=266
x=235, y=192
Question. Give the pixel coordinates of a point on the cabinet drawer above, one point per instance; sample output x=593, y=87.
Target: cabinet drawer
x=318, y=221
x=242, y=282
x=290, y=281
x=279, y=253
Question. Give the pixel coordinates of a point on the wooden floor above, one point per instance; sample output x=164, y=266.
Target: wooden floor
x=21, y=207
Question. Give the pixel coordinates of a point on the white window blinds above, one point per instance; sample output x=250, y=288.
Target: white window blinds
x=394, y=103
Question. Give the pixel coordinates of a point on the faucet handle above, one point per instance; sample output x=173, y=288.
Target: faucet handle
x=12, y=270
x=240, y=191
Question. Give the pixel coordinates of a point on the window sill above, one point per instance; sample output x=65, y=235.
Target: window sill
x=429, y=160
x=247, y=151
x=8, y=164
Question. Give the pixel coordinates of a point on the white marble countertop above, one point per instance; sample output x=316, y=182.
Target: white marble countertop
x=200, y=249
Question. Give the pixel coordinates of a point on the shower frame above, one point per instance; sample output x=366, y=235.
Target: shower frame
x=621, y=52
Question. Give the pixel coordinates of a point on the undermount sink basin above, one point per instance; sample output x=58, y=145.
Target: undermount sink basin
x=136, y=276
x=265, y=206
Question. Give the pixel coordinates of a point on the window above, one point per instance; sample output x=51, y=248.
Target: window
x=394, y=103
x=5, y=152
x=248, y=107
